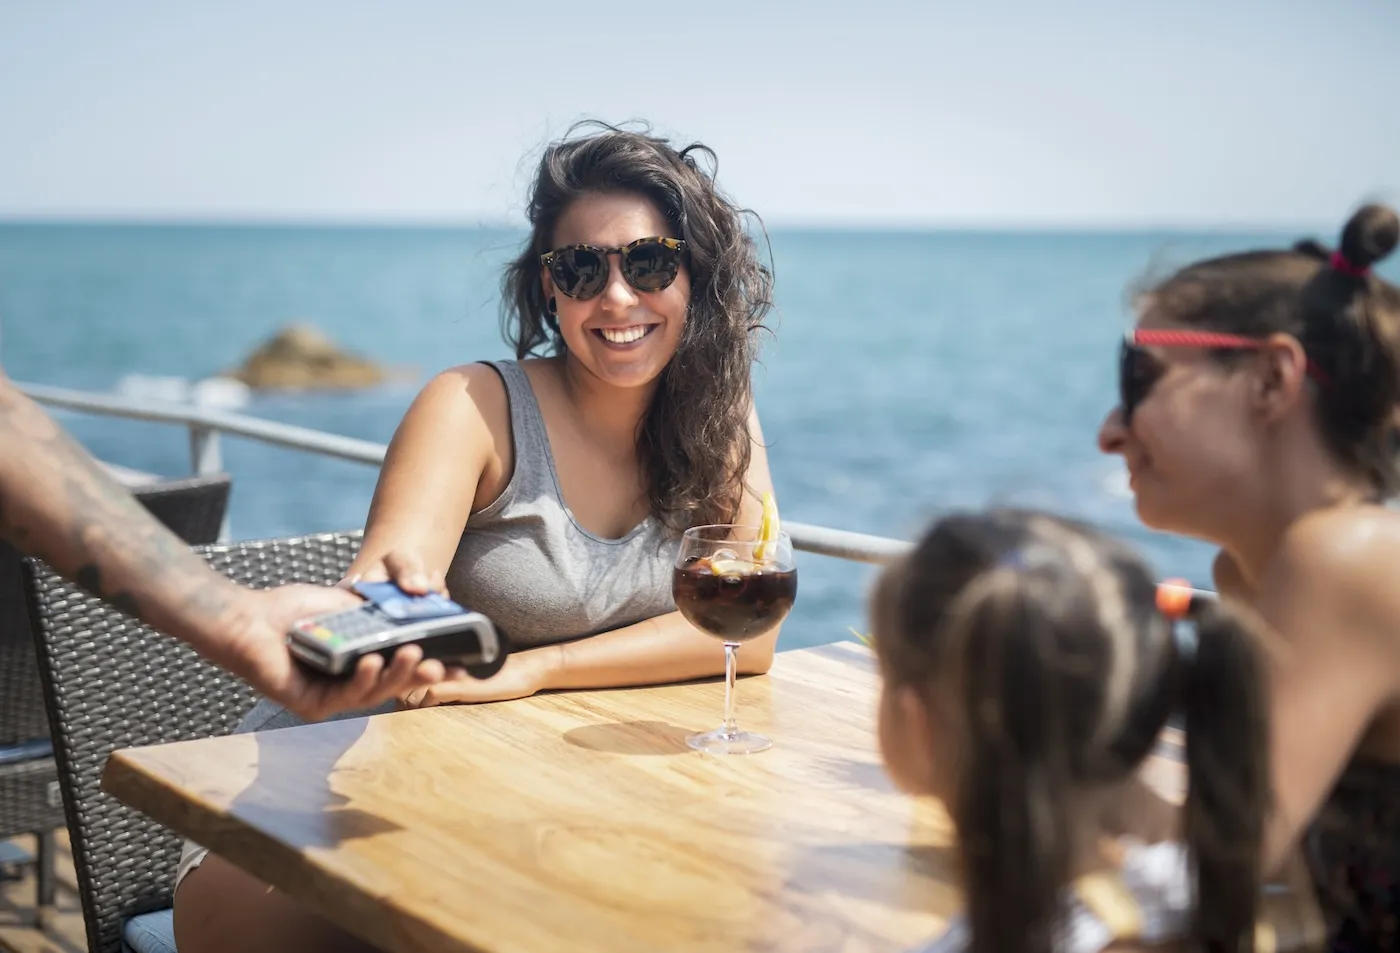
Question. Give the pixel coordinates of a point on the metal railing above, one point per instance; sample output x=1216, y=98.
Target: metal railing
x=207, y=425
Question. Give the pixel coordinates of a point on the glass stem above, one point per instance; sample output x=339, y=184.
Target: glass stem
x=730, y=669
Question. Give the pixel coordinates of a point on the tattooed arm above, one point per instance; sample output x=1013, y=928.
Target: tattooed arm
x=58, y=504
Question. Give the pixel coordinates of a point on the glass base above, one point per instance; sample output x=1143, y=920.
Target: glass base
x=720, y=741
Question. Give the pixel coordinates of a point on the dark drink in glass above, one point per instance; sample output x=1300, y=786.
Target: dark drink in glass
x=735, y=606
x=736, y=583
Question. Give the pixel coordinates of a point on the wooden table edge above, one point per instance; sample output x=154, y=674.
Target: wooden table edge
x=275, y=863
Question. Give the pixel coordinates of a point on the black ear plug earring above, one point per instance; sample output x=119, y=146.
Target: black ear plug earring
x=552, y=306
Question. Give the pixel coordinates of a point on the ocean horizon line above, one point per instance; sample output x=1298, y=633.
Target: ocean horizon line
x=795, y=225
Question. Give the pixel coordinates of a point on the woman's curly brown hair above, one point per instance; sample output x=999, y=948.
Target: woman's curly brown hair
x=693, y=440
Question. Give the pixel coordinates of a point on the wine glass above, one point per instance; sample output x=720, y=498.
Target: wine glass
x=731, y=584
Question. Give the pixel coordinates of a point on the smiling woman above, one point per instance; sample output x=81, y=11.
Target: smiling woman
x=550, y=492
x=699, y=281
x=1257, y=411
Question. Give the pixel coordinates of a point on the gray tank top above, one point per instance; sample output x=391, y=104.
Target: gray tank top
x=528, y=565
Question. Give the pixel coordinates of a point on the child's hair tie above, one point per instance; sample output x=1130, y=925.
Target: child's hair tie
x=1174, y=598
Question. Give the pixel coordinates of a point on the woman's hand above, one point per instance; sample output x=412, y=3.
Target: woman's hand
x=403, y=567
x=524, y=674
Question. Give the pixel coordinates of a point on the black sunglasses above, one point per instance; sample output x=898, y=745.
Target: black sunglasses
x=648, y=264
x=1139, y=371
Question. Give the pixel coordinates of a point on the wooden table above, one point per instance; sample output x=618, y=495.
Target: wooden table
x=578, y=821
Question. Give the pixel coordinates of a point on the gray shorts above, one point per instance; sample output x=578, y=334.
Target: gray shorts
x=191, y=857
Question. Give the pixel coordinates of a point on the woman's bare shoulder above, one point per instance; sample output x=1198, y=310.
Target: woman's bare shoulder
x=472, y=391
x=1342, y=540
x=1343, y=561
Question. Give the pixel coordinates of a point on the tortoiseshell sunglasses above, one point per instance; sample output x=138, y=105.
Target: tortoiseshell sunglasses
x=581, y=271
x=1139, y=371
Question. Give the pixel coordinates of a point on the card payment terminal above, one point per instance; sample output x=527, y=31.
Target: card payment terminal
x=389, y=618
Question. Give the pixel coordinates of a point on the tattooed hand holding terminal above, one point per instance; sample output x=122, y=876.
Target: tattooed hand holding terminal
x=58, y=504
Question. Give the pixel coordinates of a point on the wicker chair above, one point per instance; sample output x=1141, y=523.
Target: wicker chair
x=29, y=792
x=111, y=683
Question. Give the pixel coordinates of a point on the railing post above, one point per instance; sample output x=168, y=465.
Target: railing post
x=206, y=455
x=206, y=459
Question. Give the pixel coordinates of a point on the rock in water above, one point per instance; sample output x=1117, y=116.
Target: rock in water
x=301, y=357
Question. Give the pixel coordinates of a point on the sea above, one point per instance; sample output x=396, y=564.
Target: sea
x=908, y=374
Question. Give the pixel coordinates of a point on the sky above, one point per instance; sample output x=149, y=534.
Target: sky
x=1018, y=113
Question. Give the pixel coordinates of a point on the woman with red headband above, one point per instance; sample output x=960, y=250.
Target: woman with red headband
x=1257, y=401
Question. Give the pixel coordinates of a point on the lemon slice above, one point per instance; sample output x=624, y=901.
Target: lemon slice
x=732, y=566
x=767, y=529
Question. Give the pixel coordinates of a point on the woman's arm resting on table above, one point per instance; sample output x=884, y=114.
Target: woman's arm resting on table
x=652, y=652
x=58, y=504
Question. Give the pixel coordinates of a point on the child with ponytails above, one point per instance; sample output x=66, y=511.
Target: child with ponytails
x=1028, y=672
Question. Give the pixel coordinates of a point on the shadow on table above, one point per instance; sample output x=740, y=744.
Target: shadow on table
x=631, y=737
x=290, y=797
x=906, y=876
x=852, y=773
